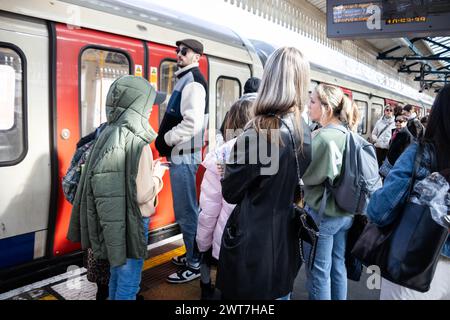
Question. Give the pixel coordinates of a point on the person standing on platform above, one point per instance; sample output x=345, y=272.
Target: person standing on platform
x=259, y=255
x=414, y=125
x=327, y=279
x=120, y=182
x=400, y=140
x=387, y=203
x=180, y=139
x=381, y=134
x=214, y=210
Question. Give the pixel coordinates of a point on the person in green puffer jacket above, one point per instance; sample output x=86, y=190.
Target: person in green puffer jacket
x=118, y=187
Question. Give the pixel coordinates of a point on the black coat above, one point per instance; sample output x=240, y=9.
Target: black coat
x=259, y=255
x=401, y=141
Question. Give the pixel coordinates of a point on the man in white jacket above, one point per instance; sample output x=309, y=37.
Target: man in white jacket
x=180, y=139
x=382, y=132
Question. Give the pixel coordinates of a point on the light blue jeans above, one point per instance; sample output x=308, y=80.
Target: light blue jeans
x=125, y=279
x=328, y=277
x=183, y=170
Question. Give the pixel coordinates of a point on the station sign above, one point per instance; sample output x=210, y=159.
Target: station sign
x=352, y=19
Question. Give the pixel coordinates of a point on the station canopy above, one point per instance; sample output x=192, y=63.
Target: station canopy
x=425, y=59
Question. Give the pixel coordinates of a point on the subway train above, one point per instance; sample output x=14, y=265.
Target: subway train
x=57, y=61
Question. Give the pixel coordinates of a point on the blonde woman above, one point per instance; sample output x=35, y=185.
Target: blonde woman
x=330, y=107
x=259, y=255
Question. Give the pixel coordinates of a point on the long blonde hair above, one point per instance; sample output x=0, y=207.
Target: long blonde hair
x=336, y=104
x=284, y=86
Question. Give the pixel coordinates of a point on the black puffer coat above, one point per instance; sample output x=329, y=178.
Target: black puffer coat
x=259, y=256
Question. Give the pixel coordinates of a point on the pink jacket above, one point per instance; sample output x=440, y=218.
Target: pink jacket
x=214, y=211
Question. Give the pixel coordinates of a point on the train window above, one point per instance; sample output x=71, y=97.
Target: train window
x=375, y=113
x=228, y=91
x=167, y=81
x=12, y=143
x=362, y=107
x=99, y=69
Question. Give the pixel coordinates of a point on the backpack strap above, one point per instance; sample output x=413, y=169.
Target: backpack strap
x=384, y=129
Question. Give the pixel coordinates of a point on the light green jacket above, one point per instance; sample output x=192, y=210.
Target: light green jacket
x=328, y=147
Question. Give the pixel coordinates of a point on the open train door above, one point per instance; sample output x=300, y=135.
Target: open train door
x=85, y=65
x=162, y=68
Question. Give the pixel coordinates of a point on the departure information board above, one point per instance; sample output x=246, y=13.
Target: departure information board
x=387, y=18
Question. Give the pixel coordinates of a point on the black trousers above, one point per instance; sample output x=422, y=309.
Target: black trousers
x=381, y=155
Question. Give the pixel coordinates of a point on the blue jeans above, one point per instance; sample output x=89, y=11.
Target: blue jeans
x=125, y=279
x=328, y=277
x=183, y=170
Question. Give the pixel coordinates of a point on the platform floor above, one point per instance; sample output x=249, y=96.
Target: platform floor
x=73, y=285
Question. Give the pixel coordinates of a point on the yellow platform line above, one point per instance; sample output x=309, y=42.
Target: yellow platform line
x=48, y=297
x=163, y=258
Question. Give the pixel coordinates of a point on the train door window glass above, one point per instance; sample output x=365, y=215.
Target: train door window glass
x=228, y=91
x=362, y=125
x=99, y=69
x=11, y=105
x=167, y=80
x=375, y=113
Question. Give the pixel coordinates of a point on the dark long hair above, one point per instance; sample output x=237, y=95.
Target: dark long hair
x=438, y=127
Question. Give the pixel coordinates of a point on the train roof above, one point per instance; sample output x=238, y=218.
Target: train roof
x=152, y=23
x=165, y=18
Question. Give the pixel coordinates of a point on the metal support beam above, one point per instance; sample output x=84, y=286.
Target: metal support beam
x=428, y=58
x=437, y=44
x=426, y=73
x=383, y=54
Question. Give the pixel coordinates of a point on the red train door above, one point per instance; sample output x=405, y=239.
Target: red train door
x=348, y=92
x=87, y=62
x=162, y=66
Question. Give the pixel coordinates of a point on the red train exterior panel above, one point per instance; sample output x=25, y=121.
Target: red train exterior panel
x=69, y=44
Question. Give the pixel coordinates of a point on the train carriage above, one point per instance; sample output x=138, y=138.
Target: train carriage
x=57, y=60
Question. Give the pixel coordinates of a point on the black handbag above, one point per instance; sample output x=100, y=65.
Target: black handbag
x=307, y=228
x=352, y=264
x=407, y=250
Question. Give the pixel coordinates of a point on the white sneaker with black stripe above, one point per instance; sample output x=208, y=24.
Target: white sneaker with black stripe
x=185, y=274
x=180, y=260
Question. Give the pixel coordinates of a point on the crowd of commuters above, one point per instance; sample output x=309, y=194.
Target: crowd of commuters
x=244, y=219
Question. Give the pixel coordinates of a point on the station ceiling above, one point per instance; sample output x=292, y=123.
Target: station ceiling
x=425, y=60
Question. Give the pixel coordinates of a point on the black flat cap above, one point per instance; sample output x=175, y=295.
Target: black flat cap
x=193, y=44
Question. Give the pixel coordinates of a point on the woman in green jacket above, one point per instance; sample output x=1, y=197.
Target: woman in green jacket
x=330, y=107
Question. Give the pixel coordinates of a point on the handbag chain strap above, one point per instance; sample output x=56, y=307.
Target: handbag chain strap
x=299, y=177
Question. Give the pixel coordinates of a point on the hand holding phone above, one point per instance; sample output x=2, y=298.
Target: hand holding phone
x=159, y=167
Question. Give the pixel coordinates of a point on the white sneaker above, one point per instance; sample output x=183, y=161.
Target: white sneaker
x=183, y=275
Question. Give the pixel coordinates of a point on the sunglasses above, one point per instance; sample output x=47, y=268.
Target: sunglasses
x=388, y=110
x=401, y=121
x=183, y=51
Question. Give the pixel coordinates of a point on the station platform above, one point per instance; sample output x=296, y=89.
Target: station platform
x=73, y=285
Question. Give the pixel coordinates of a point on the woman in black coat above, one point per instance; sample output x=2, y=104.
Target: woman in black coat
x=259, y=256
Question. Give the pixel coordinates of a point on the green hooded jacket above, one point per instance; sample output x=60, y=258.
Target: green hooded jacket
x=105, y=213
